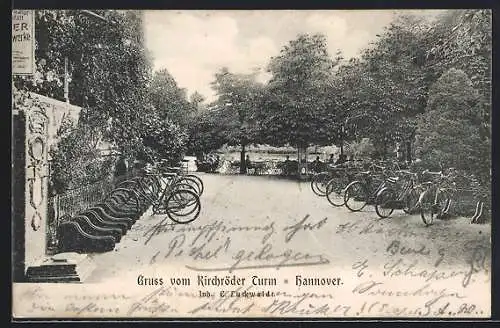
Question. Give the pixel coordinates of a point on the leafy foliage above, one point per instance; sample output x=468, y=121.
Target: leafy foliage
x=110, y=74
x=361, y=149
x=432, y=81
x=206, y=133
x=448, y=132
x=298, y=109
x=76, y=163
x=169, y=100
x=239, y=98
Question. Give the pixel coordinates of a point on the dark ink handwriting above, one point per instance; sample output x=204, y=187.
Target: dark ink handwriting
x=302, y=225
x=266, y=258
x=360, y=266
x=396, y=248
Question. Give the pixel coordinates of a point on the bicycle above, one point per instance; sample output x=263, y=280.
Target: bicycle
x=392, y=196
x=177, y=199
x=167, y=193
x=363, y=190
x=189, y=178
x=320, y=180
x=339, y=179
x=435, y=200
x=318, y=183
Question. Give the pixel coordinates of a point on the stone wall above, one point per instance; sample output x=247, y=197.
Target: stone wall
x=43, y=117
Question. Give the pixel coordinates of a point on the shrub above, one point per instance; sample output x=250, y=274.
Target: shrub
x=448, y=133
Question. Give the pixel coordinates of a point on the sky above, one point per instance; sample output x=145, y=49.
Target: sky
x=193, y=45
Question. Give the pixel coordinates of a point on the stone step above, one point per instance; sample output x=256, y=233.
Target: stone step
x=63, y=267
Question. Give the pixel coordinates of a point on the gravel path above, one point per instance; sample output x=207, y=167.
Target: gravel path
x=246, y=213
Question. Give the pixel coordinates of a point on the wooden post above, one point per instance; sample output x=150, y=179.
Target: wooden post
x=66, y=80
x=342, y=133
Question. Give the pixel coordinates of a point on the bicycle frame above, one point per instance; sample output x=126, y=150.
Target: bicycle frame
x=367, y=183
x=167, y=187
x=403, y=191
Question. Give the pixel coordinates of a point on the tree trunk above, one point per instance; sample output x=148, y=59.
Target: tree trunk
x=243, y=164
x=384, y=149
x=408, y=151
x=342, y=137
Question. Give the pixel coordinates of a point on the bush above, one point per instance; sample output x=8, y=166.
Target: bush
x=75, y=163
x=164, y=140
x=448, y=133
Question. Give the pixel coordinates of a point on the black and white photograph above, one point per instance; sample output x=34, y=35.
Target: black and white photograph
x=251, y=163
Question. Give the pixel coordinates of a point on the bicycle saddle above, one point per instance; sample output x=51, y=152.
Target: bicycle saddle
x=169, y=174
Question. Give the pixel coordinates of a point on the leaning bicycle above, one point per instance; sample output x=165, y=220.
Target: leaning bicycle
x=168, y=193
x=400, y=192
x=340, y=177
x=363, y=190
x=435, y=200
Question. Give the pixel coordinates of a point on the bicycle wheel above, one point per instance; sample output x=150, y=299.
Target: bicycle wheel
x=432, y=207
x=383, y=201
x=355, y=196
x=199, y=181
x=185, y=186
x=319, y=182
x=195, y=186
x=335, y=191
x=146, y=190
x=183, y=206
x=411, y=201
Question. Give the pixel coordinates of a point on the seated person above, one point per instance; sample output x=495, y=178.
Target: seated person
x=248, y=163
x=341, y=160
x=287, y=166
x=317, y=165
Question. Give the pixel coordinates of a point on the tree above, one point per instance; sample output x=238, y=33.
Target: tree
x=108, y=67
x=239, y=97
x=197, y=100
x=110, y=71
x=448, y=132
x=390, y=84
x=462, y=39
x=162, y=138
x=170, y=100
x=206, y=133
x=299, y=110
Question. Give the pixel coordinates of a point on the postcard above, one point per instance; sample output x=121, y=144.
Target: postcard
x=251, y=164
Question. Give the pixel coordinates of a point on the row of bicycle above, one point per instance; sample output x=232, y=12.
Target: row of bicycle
x=100, y=227
x=169, y=190
x=388, y=188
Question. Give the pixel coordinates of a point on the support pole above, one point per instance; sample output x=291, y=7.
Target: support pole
x=66, y=80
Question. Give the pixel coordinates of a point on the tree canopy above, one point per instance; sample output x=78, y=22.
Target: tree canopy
x=298, y=109
x=428, y=82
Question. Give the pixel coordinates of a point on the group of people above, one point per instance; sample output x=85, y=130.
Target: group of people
x=208, y=163
x=318, y=166
x=290, y=167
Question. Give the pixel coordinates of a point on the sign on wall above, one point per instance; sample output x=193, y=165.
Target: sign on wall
x=23, y=42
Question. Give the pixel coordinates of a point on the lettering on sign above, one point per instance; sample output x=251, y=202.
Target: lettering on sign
x=23, y=42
